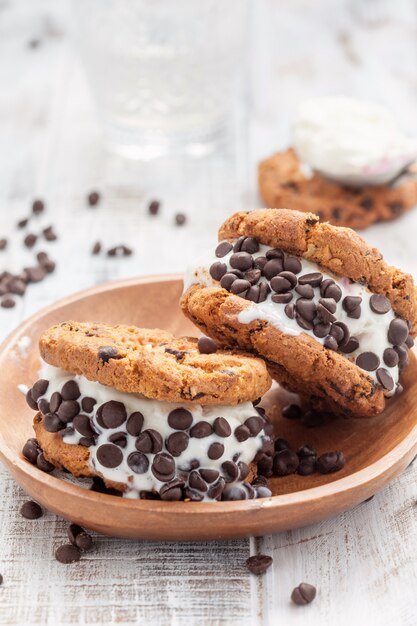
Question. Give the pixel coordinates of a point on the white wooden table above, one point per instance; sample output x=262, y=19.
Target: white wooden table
x=364, y=561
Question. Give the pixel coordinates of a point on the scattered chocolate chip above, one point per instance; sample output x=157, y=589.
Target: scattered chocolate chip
x=385, y=379
x=93, y=198
x=31, y=510
x=306, y=451
x=138, y=462
x=180, y=419
x=49, y=234
x=379, y=304
x=285, y=462
x=16, y=286
x=368, y=361
x=134, y=424
x=398, y=331
x=201, y=429
x=222, y=427
x=67, y=553
x=307, y=466
x=153, y=207
x=96, y=249
x=31, y=450
x=303, y=594
x=223, y=248
x=215, y=451
x=281, y=444
x=180, y=219
x=38, y=207
x=206, y=345
x=8, y=302
x=3, y=244
x=163, y=467
x=105, y=353
x=84, y=541
x=258, y=564
x=109, y=455
x=35, y=274
x=330, y=462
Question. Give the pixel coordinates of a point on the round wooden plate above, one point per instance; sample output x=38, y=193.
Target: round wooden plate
x=376, y=450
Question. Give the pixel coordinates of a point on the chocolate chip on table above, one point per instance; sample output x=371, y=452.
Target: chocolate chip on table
x=30, y=240
x=303, y=594
x=79, y=537
x=31, y=510
x=222, y=427
x=105, y=353
x=3, y=243
x=109, y=455
x=368, y=361
x=330, y=462
x=180, y=419
x=398, y=331
x=43, y=464
x=379, y=304
x=38, y=207
x=223, y=248
x=180, y=219
x=385, y=379
x=153, y=207
x=285, y=462
x=23, y=223
x=96, y=249
x=49, y=234
x=258, y=564
x=93, y=198
x=206, y=345
x=292, y=411
x=311, y=419
x=67, y=553
x=31, y=450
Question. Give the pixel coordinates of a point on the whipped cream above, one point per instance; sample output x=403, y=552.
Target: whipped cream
x=351, y=141
x=155, y=416
x=370, y=329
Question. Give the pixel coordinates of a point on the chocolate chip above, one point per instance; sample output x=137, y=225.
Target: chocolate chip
x=253, y=276
x=330, y=462
x=337, y=332
x=87, y=404
x=238, y=244
x=39, y=388
x=351, y=346
x=30, y=240
x=379, y=304
x=201, y=429
x=138, y=462
x=258, y=564
x=272, y=268
x=31, y=450
x=250, y=244
x=43, y=464
x=321, y=330
x=281, y=444
x=215, y=451
x=31, y=510
x=305, y=291
x=134, y=424
x=73, y=531
x=49, y=234
x=153, y=207
x=367, y=203
x=302, y=322
x=176, y=443
x=8, y=303
x=303, y=594
x=96, y=249
x=398, y=331
x=43, y=406
x=254, y=424
x=38, y=207
x=67, y=553
x=282, y=298
x=55, y=402
x=113, y=414
x=285, y=462
x=23, y=223
x=330, y=343
x=259, y=263
x=292, y=264
x=240, y=286
x=163, y=467
x=351, y=304
x=329, y=289
x=290, y=310
x=223, y=248
x=390, y=357
x=230, y=471
x=280, y=284
x=307, y=466
x=409, y=342
x=242, y=261
x=209, y=475
x=149, y=441
x=206, y=345
x=306, y=451
x=119, y=439
x=227, y=280
x=70, y=390
x=218, y=270
x=243, y=470
x=306, y=308
x=84, y=541
x=16, y=286
x=385, y=379
x=82, y=425
x=68, y=409
x=193, y=496
x=93, y=198
x=402, y=355
x=52, y=423
x=242, y=433
x=196, y=481
x=222, y=427
x=180, y=219
x=313, y=279
x=105, y=353
x=180, y=419
x=274, y=253
x=292, y=411
x=172, y=491
x=87, y=442
x=109, y=455
x=263, y=491
x=368, y=361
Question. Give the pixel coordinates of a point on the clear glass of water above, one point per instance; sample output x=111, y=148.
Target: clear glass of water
x=166, y=74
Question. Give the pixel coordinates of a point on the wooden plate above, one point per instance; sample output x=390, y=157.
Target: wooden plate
x=376, y=450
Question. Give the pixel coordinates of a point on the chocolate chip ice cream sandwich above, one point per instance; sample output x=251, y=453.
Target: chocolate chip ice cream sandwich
x=330, y=318
x=152, y=414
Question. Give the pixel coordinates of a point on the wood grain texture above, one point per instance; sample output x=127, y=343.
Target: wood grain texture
x=364, y=561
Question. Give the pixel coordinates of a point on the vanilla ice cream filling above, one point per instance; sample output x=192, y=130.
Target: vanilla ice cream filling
x=351, y=141
x=210, y=464
x=369, y=330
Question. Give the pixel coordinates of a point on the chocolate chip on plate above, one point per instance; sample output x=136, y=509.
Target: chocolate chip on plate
x=105, y=353
x=67, y=553
x=93, y=198
x=31, y=510
x=206, y=345
x=259, y=563
x=303, y=594
x=330, y=462
x=379, y=304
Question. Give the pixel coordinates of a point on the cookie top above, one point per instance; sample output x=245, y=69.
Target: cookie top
x=154, y=363
x=340, y=250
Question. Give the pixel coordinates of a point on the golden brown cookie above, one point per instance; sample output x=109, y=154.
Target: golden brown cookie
x=282, y=183
x=154, y=363
x=316, y=355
